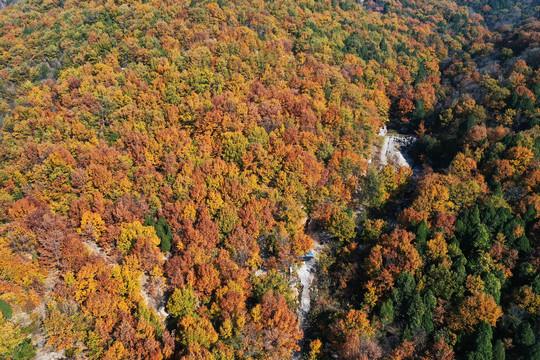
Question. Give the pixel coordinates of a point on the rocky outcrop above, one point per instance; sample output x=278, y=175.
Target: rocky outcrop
x=393, y=150
x=4, y=3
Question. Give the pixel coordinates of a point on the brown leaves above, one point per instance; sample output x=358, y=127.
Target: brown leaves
x=476, y=308
x=274, y=332
x=354, y=335
x=394, y=254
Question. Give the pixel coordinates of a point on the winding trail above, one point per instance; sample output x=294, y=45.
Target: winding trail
x=393, y=152
x=306, y=274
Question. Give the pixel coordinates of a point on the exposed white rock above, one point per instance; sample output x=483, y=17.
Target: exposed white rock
x=392, y=153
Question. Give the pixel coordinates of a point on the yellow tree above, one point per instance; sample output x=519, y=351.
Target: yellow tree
x=131, y=232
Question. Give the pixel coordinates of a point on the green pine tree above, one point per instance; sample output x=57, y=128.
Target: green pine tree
x=498, y=351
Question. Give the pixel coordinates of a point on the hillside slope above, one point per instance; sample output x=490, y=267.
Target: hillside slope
x=156, y=156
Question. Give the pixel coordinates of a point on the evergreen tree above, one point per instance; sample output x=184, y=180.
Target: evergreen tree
x=422, y=234
x=387, y=312
x=5, y=309
x=481, y=239
x=528, y=217
x=498, y=351
x=484, y=349
x=404, y=289
x=416, y=312
x=419, y=112
x=534, y=352
x=492, y=286
x=374, y=189
x=420, y=75
x=163, y=231
x=384, y=46
x=523, y=245
x=427, y=320
x=525, y=339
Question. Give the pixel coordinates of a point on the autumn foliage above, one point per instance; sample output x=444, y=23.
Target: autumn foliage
x=164, y=166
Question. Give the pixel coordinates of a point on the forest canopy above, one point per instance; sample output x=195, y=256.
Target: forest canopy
x=165, y=167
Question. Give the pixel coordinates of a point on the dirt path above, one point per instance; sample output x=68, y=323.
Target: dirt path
x=393, y=152
x=306, y=274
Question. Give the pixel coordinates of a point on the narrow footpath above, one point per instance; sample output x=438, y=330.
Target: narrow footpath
x=393, y=152
x=306, y=274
